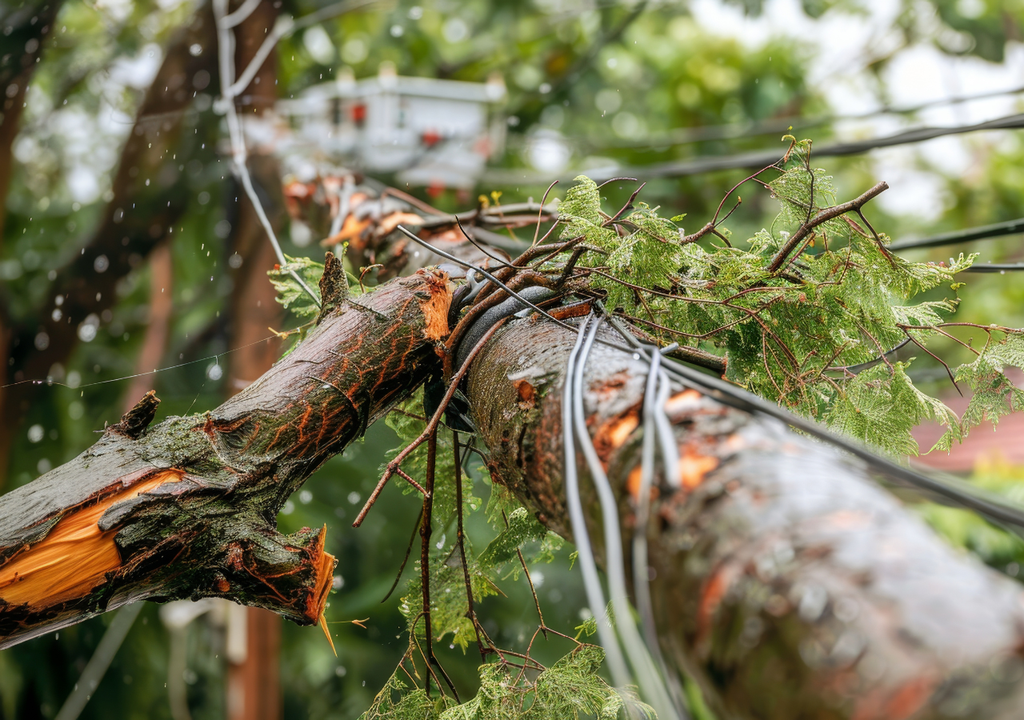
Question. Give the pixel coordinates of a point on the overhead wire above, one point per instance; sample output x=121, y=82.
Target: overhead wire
x=756, y=158
x=1010, y=227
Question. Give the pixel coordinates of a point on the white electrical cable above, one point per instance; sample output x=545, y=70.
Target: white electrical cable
x=585, y=554
x=647, y=676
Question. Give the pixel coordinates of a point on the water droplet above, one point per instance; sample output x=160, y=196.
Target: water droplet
x=338, y=582
x=87, y=330
x=101, y=263
x=35, y=433
x=214, y=372
x=195, y=49
x=305, y=497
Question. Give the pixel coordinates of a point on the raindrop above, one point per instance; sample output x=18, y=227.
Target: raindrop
x=353, y=497
x=214, y=372
x=222, y=229
x=288, y=508
x=56, y=315
x=338, y=582
x=812, y=603
x=340, y=671
x=305, y=497
x=87, y=330
x=44, y=466
x=42, y=341
x=35, y=433
x=397, y=31
x=101, y=263
x=235, y=261
x=440, y=543
x=195, y=50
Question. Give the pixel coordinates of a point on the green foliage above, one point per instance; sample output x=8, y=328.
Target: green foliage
x=999, y=549
x=795, y=318
x=568, y=690
x=397, y=701
x=290, y=293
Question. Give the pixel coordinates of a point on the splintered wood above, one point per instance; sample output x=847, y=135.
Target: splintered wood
x=75, y=556
x=435, y=306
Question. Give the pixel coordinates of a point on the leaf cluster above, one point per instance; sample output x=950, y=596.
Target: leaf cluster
x=807, y=312
x=570, y=689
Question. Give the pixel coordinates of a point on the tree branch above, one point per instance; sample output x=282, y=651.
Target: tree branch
x=187, y=508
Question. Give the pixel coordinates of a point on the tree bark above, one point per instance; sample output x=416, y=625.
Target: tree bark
x=784, y=580
x=187, y=508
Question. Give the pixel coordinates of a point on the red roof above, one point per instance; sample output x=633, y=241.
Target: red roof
x=1006, y=442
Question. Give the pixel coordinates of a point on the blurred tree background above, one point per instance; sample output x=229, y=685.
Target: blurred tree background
x=127, y=246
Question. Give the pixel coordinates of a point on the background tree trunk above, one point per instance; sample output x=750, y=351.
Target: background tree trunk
x=254, y=684
x=135, y=221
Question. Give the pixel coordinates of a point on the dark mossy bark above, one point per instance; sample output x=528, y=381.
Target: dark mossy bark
x=784, y=580
x=210, y=528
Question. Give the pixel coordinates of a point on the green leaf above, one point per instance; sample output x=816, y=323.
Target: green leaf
x=290, y=293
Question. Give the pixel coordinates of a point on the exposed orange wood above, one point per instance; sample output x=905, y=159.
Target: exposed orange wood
x=693, y=467
x=75, y=556
x=435, y=308
x=389, y=223
x=350, y=230
x=633, y=484
x=317, y=602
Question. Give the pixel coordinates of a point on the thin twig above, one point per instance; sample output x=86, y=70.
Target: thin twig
x=825, y=215
x=431, y=426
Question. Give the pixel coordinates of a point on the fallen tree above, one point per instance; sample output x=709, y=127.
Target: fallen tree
x=781, y=577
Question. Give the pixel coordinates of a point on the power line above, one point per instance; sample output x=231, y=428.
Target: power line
x=733, y=131
x=1010, y=227
x=749, y=160
x=764, y=158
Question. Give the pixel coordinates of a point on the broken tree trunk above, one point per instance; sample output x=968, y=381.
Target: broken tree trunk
x=784, y=580
x=187, y=508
